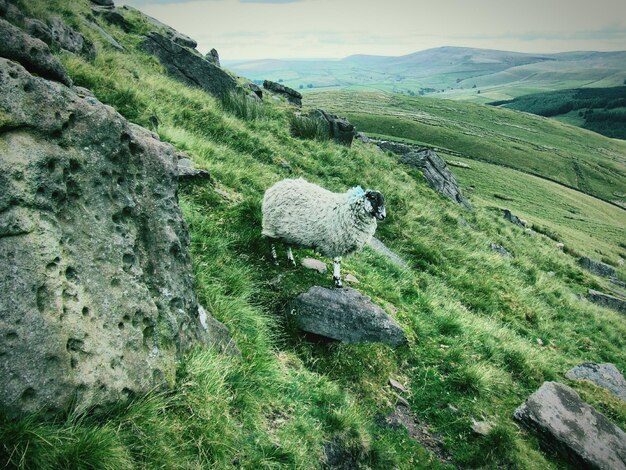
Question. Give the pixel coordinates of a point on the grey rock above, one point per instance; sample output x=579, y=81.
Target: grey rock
x=508, y=215
x=31, y=52
x=189, y=173
x=380, y=248
x=292, y=95
x=314, y=264
x=187, y=66
x=339, y=129
x=38, y=29
x=169, y=32
x=397, y=385
x=458, y=164
x=213, y=57
x=349, y=278
x=597, y=267
x=606, y=300
x=106, y=36
x=70, y=39
x=97, y=300
x=345, y=315
x=114, y=16
x=571, y=425
x=362, y=137
x=604, y=375
x=500, y=250
x=482, y=428
x=255, y=89
x=434, y=168
x=104, y=3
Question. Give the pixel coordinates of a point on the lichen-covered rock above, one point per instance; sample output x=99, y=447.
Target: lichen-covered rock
x=345, y=315
x=70, y=39
x=292, y=95
x=96, y=286
x=603, y=375
x=170, y=33
x=213, y=57
x=339, y=129
x=31, y=52
x=569, y=424
x=509, y=216
x=188, y=66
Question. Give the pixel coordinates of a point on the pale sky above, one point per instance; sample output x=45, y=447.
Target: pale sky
x=275, y=29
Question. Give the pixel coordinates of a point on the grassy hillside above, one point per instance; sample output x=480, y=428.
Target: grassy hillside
x=601, y=110
x=460, y=73
x=472, y=317
x=581, y=159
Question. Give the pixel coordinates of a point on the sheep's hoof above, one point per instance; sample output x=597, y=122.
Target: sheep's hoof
x=293, y=262
x=338, y=283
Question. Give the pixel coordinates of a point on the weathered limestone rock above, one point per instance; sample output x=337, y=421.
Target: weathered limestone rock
x=70, y=39
x=558, y=414
x=604, y=375
x=106, y=36
x=187, y=66
x=339, y=129
x=96, y=285
x=114, y=16
x=314, y=264
x=255, y=89
x=170, y=33
x=597, y=267
x=104, y=3
x=187, y=172
x=345, y=315
x=31, y=52
x=292, y=95
x=380, y=248
x=606, y=300
x=433, y=167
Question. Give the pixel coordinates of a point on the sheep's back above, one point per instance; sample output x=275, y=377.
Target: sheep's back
x=299, y=212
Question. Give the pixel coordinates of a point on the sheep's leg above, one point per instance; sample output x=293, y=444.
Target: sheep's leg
x=273, y=250
x=337, y=271
x=290, y=256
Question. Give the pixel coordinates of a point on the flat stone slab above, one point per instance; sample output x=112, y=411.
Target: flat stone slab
x=571, y=425
x=314, y=264
x=345, y=315
x=603, y=375
x=597, y=267
x=606, y=300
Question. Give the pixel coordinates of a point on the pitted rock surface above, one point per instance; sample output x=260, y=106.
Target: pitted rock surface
x=96, y=286
x=345, y=315
x=571, y=425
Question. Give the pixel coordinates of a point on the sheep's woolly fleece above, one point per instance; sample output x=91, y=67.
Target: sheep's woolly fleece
x=300, y=213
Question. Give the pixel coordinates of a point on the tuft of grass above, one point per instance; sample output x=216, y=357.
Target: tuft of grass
x=306, y=127
x=243, y=106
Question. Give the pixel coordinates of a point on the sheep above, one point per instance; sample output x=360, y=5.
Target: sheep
x=297, y=212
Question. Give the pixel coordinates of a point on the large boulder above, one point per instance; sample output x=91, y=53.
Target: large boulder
x=290, y=94
x=69, y=39
x=345, y=315
x=31, y=52
x=339, y=129
x=96, y=285
x=213, y=57
x=597, y=267
x=603, y=375
x=188, y=66
x=569, y=424
x=434, y=168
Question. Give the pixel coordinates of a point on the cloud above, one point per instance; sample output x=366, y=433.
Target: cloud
x=270, y=1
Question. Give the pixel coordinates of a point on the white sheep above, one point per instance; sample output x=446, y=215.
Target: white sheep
x=297, y=212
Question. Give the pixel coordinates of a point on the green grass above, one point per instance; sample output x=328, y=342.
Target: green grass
x=472, y=317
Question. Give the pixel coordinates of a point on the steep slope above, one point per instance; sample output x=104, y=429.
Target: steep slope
x=472, y=317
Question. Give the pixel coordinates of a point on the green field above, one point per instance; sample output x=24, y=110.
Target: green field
x=473, y=318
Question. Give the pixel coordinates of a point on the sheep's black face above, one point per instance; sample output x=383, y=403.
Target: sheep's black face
x=375, y=204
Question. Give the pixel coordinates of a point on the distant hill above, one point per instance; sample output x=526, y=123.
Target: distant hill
x=601, y=110
x=480, y=75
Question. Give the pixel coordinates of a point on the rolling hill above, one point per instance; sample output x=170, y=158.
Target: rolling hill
x=452, y=72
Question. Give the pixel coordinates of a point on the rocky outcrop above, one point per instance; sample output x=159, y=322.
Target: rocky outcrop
x=31, y=52
x=597, y=267
x=254, y=88
x=605, y=300
x=110, y=40
x=380, y=248
x=188, y=66
x=187, y=172
x=290, y=94
x=345, y=315
x=105, y=3
x=434, y=168
x=571, y=425
x=168, y=31
x=603, y=375
x=500, y=250
x=69, y=39
x=339, y=129
x=213, y=57
x=96, y=290
x=509, y=216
